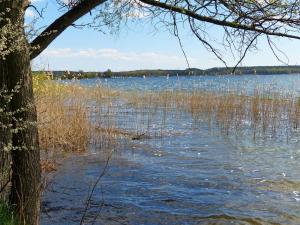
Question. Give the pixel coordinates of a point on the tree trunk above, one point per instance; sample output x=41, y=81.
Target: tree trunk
x=5, y=169
x=15, y=76
x=5, y=140
x=25, y=193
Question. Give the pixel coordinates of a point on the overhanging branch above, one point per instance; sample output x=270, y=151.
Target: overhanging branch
x=215, y=21
x=85, y=6
x=41, y=42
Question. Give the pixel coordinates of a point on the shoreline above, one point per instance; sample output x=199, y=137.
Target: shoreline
x=218, y=71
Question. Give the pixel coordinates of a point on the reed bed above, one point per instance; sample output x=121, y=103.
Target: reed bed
x=65, y=112
x=72, y=117
x=263, y=114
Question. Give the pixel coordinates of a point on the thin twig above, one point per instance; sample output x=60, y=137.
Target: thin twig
x=88, y=202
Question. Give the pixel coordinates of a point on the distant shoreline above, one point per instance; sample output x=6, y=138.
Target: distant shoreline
x=217, y=71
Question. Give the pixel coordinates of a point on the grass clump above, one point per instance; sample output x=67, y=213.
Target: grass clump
x=6, y=215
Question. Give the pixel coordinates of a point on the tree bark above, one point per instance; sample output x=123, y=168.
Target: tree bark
x=5, y=170
x=25, y=193
x=15, y=77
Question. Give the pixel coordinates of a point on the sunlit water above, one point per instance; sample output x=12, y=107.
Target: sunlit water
x=190, y=175
x=245, y=83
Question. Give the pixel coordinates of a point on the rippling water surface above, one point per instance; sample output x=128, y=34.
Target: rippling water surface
x=275, y=83
x=191, y=175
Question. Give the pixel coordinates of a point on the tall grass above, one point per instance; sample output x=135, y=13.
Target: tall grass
x=6, y=215
x=263, y=114
x=72, y=117
x=65, y=112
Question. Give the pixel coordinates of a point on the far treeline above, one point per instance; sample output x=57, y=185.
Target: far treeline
x=257, y=70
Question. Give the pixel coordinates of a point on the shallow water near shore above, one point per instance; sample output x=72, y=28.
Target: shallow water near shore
x=189, y=175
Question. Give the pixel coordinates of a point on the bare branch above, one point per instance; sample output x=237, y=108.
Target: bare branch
x=40, y=13
x=273, y=48
x=176, y=33
x=89, y=199
x=213, y=20
x=248, y=46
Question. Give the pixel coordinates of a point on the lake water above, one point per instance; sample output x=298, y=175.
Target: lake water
x=245, y=83
x=191, y=175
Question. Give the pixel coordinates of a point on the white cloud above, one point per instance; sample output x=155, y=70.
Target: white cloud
x=111, y=54
x=100, y=59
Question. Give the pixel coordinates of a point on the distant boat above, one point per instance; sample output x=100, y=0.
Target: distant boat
x=144, y=76
x=168, y=76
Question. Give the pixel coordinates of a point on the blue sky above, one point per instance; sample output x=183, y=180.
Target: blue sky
x=138, y=47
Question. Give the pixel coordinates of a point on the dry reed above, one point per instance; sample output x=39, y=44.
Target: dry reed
x=72, y=117
x=65, y=111
x=262, y=114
